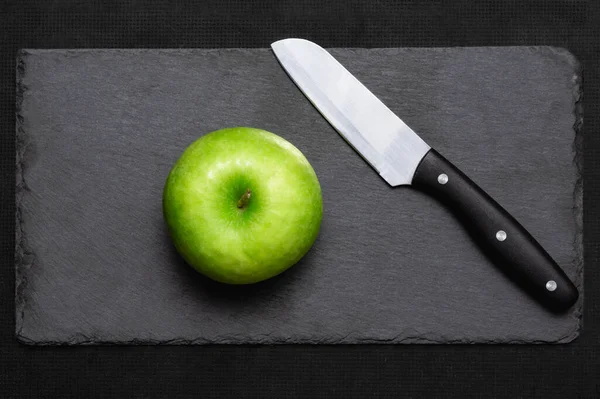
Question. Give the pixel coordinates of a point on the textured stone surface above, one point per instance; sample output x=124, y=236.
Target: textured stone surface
x=99, y=129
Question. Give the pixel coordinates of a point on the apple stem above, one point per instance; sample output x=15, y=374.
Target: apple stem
x=245, y=199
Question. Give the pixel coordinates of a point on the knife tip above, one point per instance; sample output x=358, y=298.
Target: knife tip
x=290, y=40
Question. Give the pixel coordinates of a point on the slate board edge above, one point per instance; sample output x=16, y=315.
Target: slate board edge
x=25, y=258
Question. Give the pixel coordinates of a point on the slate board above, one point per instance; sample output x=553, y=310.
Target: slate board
x=98, y=131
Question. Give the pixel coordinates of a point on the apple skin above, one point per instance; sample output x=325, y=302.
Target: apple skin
x=271, y=232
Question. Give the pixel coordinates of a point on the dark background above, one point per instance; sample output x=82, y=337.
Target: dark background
x=565, y=371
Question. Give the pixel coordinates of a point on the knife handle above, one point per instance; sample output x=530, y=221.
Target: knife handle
x=507, y=243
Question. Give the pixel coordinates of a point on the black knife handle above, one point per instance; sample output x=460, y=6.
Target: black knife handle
x=505, y=241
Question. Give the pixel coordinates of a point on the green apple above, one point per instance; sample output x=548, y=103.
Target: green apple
x=242, y=205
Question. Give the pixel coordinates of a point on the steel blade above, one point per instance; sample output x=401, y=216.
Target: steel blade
x=368, y=125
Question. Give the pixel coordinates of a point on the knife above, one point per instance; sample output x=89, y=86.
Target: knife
x=401, y=157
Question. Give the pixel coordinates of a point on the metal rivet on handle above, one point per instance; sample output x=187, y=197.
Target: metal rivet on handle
x=501, y=235
x=551, y=285
x=443, y=178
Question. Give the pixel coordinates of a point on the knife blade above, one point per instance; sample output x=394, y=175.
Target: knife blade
x=401, y=157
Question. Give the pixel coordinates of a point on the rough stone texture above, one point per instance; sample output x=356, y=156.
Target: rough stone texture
x=99, y=129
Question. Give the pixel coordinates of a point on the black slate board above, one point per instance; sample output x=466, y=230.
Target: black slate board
x=99, y=129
